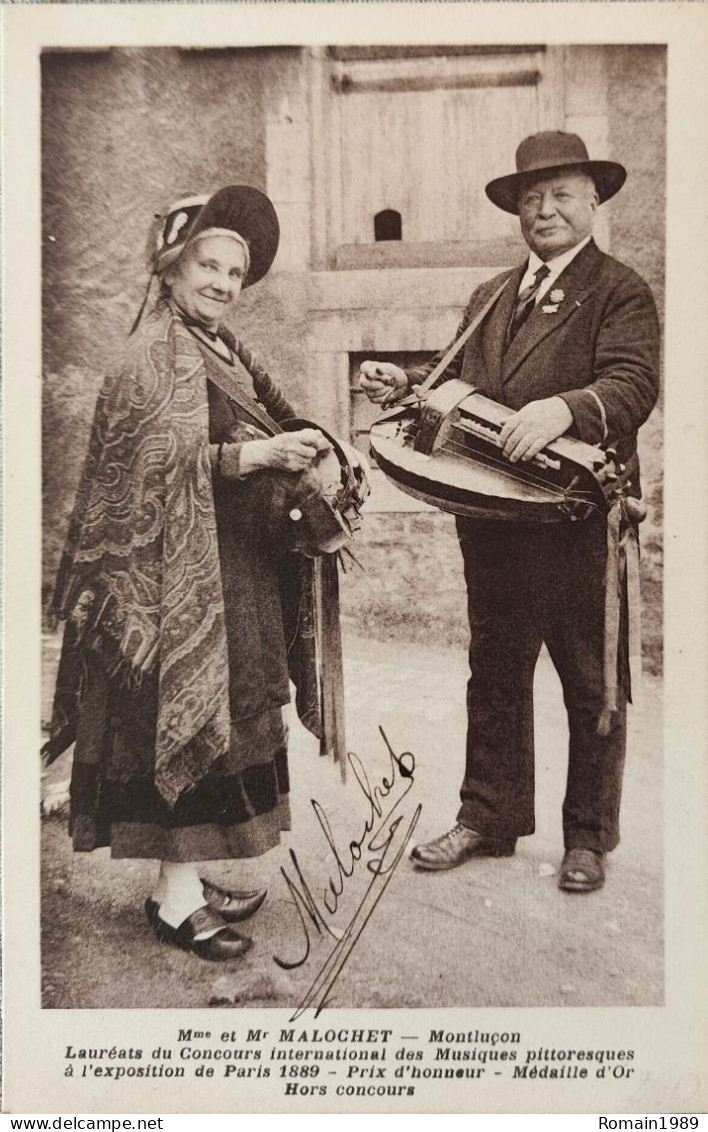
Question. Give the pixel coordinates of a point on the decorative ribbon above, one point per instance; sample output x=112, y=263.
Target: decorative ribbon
x=621, y=577
x=330, y=665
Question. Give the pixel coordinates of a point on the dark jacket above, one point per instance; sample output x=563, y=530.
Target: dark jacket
x=599, y=350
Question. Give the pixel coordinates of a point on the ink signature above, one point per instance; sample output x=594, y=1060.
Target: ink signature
x=378, y=837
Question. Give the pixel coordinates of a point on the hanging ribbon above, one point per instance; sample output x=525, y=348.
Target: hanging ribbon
x=621, y=578
x=329, y=661
x=634, y=607
x=141, y=312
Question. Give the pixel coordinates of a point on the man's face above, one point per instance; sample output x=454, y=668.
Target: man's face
x=557, y=212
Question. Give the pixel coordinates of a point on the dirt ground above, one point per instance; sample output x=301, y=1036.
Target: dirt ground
x=491, y=933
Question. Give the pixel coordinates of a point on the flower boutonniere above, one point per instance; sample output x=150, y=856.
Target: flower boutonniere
x=556, y=296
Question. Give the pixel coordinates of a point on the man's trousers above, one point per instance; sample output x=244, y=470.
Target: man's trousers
x=528, y=584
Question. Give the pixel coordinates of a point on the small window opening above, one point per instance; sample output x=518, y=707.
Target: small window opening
x=387, y=225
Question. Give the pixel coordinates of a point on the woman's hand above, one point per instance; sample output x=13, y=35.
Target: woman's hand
x=360, y=464
x=383, y=382
x=288, y=451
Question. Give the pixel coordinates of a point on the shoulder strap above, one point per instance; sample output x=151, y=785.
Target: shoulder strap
x=221, y=374
x=457, y=346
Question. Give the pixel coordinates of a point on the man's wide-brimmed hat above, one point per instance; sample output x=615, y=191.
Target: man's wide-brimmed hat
x=236, y=208
x=549, y=152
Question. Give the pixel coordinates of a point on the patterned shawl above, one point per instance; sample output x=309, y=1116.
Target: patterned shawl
x=140, y=577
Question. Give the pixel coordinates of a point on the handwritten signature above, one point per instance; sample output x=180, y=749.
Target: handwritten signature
x=379, y=837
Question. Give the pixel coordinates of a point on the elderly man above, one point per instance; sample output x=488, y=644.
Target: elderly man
x=571, y=346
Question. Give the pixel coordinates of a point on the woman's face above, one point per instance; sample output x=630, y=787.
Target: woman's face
x=207, y=278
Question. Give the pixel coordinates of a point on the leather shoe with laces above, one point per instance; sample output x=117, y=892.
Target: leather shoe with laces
x=458, y=845
x=582, y=870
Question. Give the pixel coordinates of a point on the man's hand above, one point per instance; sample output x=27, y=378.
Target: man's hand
x=525, y=433
x=383, y=382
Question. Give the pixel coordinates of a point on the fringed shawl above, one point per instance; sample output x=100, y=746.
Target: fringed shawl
x=140, y=576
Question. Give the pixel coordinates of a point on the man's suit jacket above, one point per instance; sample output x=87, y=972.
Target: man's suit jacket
x=599, y=350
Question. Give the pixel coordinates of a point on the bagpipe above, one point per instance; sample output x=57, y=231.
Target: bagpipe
x=318, y=511
x=442, y=445
x=314, y=512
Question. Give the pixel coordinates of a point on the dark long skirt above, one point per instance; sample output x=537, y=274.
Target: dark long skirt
x=239, y=811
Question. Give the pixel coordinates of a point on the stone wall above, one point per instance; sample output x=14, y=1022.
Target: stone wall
x=636, y=94
x=125, y=131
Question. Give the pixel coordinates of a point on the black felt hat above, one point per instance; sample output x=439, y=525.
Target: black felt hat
x=547, y=152
x=236, y=208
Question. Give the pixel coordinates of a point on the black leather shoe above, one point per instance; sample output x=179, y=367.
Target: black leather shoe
x=225, y=943
x=582, y=870
x=232, y=906
x=458, y=845
x=152, y=911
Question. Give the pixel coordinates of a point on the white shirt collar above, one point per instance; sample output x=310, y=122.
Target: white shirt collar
x=557, y=266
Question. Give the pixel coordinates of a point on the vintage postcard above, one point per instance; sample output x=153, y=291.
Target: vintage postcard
x=355, y=459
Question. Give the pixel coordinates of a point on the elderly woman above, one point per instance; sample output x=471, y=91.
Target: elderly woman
x=185, y=620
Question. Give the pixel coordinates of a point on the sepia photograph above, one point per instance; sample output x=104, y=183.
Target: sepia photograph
x=368, y=204
x=347, y=648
